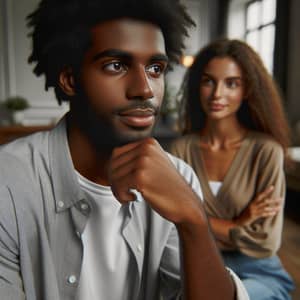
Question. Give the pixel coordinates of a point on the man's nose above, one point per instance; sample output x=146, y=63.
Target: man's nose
x=139, y=87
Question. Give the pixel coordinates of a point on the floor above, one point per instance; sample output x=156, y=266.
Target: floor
x=290, y=249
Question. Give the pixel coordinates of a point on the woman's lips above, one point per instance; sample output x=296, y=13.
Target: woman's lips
x=138, y=117
x=216, y=107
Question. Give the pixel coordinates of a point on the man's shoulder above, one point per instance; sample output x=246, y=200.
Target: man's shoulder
x=179, y=164
x=19, y=147
x=187, y=172
x=18, y=156
x=20, y=162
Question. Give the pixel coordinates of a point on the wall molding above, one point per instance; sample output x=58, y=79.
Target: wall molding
x=8, y=68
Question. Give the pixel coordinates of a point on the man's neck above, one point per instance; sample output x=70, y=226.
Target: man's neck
x=86, y=159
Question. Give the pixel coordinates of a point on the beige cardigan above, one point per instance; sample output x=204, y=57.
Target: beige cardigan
x=257, y=165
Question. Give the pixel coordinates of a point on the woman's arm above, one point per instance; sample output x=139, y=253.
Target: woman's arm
x=263, y=206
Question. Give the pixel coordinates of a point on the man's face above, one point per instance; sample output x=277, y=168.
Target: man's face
x=121, y=83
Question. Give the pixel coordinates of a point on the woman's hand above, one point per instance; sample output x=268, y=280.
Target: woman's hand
x=263, y=206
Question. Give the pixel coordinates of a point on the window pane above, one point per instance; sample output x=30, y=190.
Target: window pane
x=253, y=15
x=268, y=11
x=253, y=39
x=267, y=49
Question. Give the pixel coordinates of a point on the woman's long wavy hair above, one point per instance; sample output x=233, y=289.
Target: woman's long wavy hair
x=262, y=108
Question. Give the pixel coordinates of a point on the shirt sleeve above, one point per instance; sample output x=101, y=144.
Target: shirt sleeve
x=11, y=286
x=170, y=268
x=170, y=273
x=262, y=238
x=170, y=264
x=188, y=174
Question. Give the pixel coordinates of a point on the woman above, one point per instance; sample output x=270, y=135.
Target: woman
x=236, y=137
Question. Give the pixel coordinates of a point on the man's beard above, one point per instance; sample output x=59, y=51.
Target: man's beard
x=100, y=132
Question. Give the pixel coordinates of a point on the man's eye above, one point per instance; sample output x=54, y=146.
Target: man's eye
x=114, y=67
x=155, y=69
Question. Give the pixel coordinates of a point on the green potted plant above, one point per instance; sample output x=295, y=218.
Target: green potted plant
x=15, y=106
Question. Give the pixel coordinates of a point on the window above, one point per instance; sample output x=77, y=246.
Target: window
x=260, y=29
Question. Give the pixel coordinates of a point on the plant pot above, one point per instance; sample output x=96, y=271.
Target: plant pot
x=17, y=117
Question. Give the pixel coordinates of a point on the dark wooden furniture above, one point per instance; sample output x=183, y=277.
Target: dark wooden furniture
x=9, y=133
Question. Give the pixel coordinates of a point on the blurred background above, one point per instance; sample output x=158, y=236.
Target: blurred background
x=272, y=27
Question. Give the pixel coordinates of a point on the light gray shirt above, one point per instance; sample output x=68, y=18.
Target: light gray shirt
x=43, y=213
x=106, y=257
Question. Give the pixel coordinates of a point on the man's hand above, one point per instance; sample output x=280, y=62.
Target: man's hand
x=145, y=166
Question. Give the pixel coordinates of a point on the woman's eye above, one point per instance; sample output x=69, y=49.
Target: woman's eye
x=114, y=67
x=232, y=84
x=207, y=81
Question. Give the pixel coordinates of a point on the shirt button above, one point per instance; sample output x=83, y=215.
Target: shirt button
x=78, y=234
x=84, y=206
x=60, y=204
x=139, y=248
x=72, y=279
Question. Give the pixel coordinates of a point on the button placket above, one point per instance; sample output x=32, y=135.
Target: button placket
x=84, y=206
x=61, y=204
x=72, y=279
x=139, y=248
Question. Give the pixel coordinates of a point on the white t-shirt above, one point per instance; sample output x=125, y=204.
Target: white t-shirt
x=106, y=257
x=215, y=186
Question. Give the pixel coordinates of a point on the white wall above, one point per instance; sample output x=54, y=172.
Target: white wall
x=16, y=76
x=2, y=21
x=235, y=28
x=236, y=21
x=198, y=37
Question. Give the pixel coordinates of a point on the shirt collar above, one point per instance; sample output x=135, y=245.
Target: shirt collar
x=66, y=188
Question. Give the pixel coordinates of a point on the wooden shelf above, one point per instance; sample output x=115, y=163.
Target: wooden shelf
x=9, y=133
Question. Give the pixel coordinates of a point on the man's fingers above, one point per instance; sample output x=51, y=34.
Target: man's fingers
x=122, y=168
x=125, y=148
x=123, y=155
x=129, y=147
x=130, y=152
x=128, y=166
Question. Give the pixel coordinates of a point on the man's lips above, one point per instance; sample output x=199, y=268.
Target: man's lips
x=138, y=117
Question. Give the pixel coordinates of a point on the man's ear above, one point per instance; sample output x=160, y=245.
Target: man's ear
x=67, y=82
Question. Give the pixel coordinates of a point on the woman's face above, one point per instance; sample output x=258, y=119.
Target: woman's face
x=221, y=88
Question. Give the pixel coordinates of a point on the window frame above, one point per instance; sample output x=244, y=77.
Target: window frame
x=259, y=29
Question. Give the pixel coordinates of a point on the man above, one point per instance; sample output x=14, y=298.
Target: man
x=95, y=209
